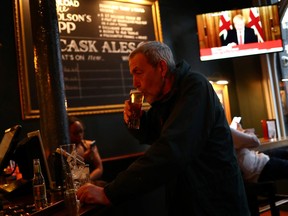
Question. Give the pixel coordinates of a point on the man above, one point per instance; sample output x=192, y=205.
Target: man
x=191, y=151
x=240, y=34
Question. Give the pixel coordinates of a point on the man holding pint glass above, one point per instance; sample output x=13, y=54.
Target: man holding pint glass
x=191, y=153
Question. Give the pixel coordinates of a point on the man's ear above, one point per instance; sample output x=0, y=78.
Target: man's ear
x=163, y=67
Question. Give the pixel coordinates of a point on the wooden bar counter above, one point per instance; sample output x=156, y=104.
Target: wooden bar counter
x=19, y=204
x=267, y=144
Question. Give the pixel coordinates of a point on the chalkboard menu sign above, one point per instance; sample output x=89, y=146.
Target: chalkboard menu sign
x=96, y=38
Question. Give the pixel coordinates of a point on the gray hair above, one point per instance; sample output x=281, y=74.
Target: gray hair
x=155, y=51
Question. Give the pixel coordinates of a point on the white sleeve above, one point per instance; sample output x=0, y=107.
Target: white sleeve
x=244, y=140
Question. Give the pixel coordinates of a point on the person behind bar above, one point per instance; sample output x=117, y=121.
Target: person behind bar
x=269, y=165
x=191, y=151
x=240, y=34
x=84, y=148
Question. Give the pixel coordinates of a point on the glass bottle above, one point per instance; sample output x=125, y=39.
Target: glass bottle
x=39, y=187
x=72, y=204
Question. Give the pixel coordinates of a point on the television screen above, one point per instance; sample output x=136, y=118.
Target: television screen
x=240, y=32
x=8, y=145
x=29, y=148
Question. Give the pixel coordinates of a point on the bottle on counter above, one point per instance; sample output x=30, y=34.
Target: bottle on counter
x=39, y=187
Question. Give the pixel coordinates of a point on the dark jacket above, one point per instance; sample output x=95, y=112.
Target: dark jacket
x=249, y=36
x=191, y=153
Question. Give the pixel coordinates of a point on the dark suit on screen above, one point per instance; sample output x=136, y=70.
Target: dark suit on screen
x=249, y=37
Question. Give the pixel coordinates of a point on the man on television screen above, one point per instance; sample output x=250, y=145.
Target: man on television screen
x=240, y=34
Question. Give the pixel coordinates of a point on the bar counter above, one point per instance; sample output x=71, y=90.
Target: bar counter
x=267, y=144
x=59, y=209
x=19, y=203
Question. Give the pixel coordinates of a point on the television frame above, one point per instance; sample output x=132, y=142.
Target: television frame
x=29, y=148
x=210, y=46
x=8, y=145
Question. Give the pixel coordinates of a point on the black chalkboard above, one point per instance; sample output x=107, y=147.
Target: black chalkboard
x=96, y=38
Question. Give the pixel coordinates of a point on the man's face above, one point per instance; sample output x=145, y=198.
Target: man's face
x=239, y=24
x=146, y=78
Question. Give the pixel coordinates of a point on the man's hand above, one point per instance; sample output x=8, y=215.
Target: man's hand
x=127, y=112
x=92, y=194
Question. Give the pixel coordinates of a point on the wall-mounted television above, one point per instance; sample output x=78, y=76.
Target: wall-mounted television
x=219, y=39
